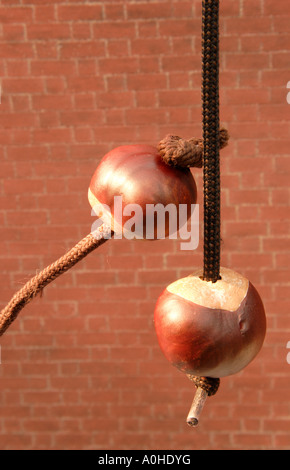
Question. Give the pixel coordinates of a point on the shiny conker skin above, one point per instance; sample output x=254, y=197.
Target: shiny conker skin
x=138, y=174
x=210, y=329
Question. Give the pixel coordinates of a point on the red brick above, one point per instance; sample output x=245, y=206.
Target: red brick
x=149, y=64
x=79, y=12
x=115, y=83
x=248, y=259
x=280, y=24
x=81, y=31
x=47, y=50
x=149, y=46
x=252, y=197
x=179, y=63
x=44, y=13
x=238, y=26
x=52, y=102
x=144, y=10
x=12, y=186
x=48, y=31
x=16, y=51
x=275, y=112
x=48, y=119
x=13, y=32
x=128, y=65
x=17, y=68
x=280, y=60
x=178, y=98
x=281, y=441
x=274, y=77
x=81, y=118
x=16, y=441
x=83, y=135
x=23, y=85
x=182, y=27
x=114, y=30
x=146, y=98
x=276, y=8
x=246, y=130
x=253, y=8
x=281, y=196
x=70, y=50
x=20, y=103
x=275, y=42
x=247, y=96
x=39, y=426
x=115, y=100
x=87, y=68
x=142, y=116
x=184, y=46
x=118, y=48
x=268, y=147
x=26, y=218
x=85, y=84
x=250, y=79
x=51, y=136
x=283, y=261
x=114, y=11
x=84, y=100
x=15, y=14
x=147, y=28
x=55, y=84
x=31, y=153
x=39, y=1
x=52, y=67
x=248, y=229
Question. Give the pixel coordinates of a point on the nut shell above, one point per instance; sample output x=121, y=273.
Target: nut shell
x=206, y=341
x=138, y=174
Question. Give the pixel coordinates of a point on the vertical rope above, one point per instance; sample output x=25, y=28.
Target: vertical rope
x=211, y=137
x=211, y=176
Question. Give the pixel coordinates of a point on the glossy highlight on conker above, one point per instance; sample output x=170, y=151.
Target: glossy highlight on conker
x=138, y=174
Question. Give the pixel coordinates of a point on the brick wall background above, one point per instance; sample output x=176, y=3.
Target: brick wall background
x=81, y=367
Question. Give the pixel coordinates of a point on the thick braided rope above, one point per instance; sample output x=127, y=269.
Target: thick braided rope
x=211, y=160
x=50, y=273
x=211, y=130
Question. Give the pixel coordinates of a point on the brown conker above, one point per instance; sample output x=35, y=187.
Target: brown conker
x=210, y=329
x=138, y=174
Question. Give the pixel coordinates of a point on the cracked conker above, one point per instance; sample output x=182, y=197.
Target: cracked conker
x=210, y=329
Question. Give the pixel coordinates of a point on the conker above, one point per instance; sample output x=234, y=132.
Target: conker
x=138, y=174
x=210, y=329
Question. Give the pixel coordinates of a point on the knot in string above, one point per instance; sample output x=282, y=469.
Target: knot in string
x=183, y=153
x=209, y=384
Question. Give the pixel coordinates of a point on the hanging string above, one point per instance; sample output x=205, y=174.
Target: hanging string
x=35, y=286
x=208, y=386
x=211, y=138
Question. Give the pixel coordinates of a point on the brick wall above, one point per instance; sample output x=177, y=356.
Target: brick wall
x=81, y=368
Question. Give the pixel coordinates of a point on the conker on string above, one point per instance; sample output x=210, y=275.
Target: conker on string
x=138, y=175
x=210, y=329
